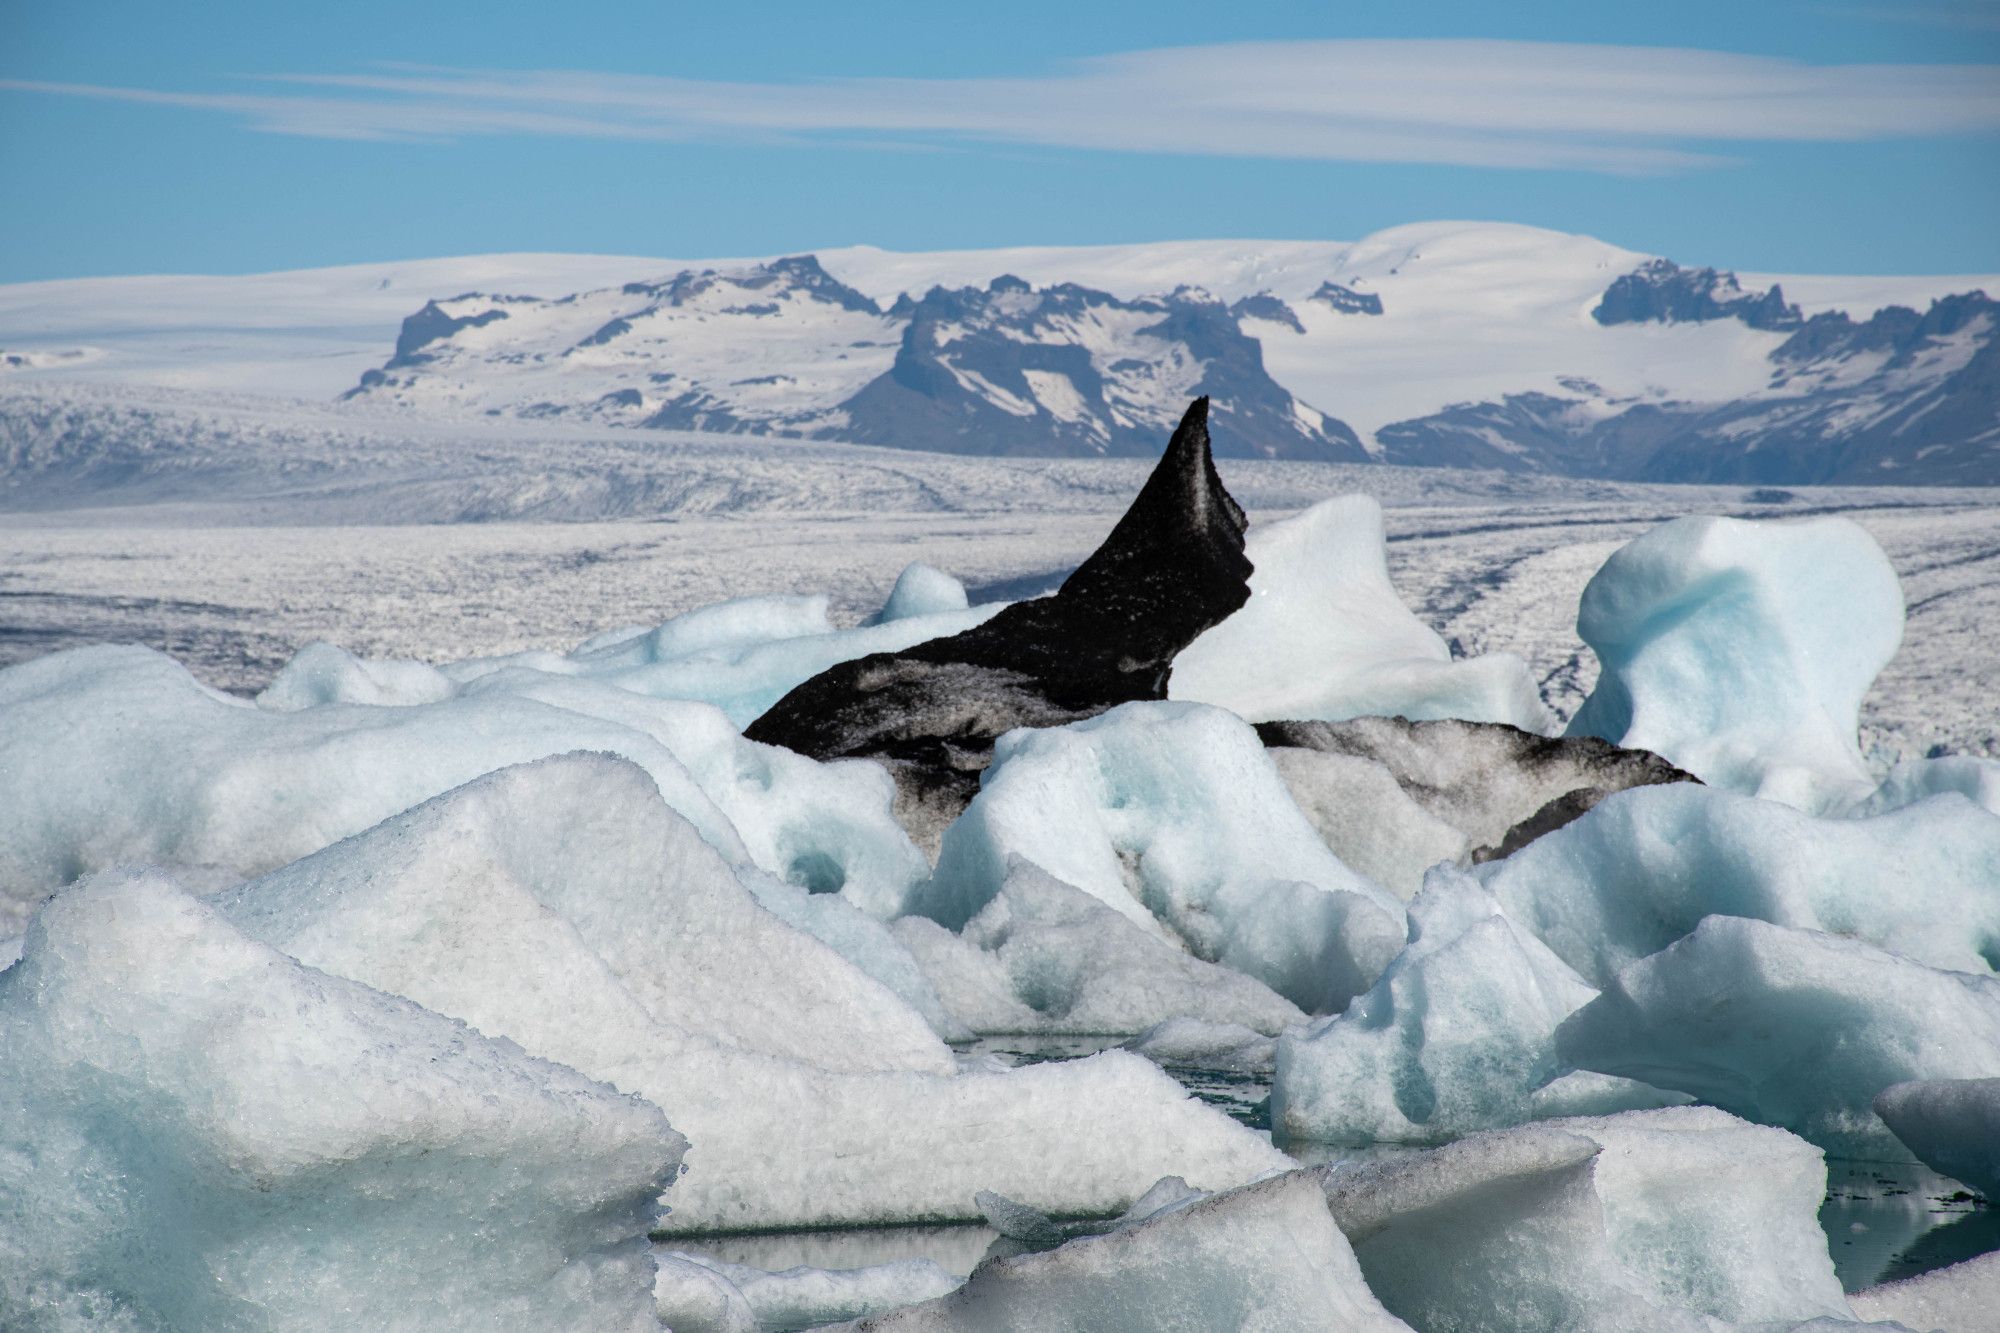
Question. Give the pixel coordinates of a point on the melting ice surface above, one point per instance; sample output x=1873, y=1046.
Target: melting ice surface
x=407, y=967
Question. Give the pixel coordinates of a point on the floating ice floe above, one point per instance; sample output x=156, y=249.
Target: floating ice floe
x=84, y=733
x=1324, y=635
x=1952, y=1125
x=1741, y=651
x=812, y=1096
x=1788, y=1027
x=1043, y=957
x=1958, y=1299
x=1644, y=867
x=1457, y=1035
x=203, y=1133
x=1173, y=815
x=1265, y=1256
x=1647, y=1221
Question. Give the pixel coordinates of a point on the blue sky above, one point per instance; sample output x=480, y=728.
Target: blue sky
x=216, y=136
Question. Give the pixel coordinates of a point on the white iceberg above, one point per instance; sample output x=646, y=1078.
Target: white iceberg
x=1789, y=1027
x=811, y=1096
x=202, y=1133
x=1645, y=866
x=1266, y=1256
x=1457, y=1035
x=1646, y=1221
x=1042, y=957
x=1174, y=815
x=1958, y=1299
x=1741, y=651
x=83, y=736
x=1324, y=635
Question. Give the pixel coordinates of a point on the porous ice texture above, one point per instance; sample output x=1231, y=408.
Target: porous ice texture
x=1324, y=635
x=1266, y=1256
x=1789, y=1027
x=1043, y=957
x=1493, y=784
x=1173, y=815
x=1741, y=650
x=202, y=1133
x=581, y=847
x=922, y=591
x=1646, y=1221
x=82, y=776
x=1644, y=867
x=1198, y=1043
x=743, y=655
x=1457, y=1035
x=1366, y=818
x=697, y=1294
x=1958, y=1299
x=1952, y=1125
x=852, y=1116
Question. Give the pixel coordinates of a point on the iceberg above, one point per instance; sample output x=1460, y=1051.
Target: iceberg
x=1952, y=1125
x=1265, y=1256
x=1173, y=815
x=696, y=1294
x=1649, y=1220
x=1958, y=1299
x=252, y=789
x=810, y=1094
x=1789, y=1027
x=1043, y=957
x=1457, y=1035
x=1644, y=867
x=1324, y=635
x=1717, y=652
x=203, y=1133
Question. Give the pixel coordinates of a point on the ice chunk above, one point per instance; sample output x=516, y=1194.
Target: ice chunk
x=1952, y=1125
x=202, y=1133
x=1324, y=635
x=1719, y=652
x=922, y=591
x=794, y=1298
x=829, y=828
x=1266, y=1256
x=1366, y=817
x=82, y=734
x=1174, y=815
x=1457, y=1035
x=252, y=789
x=1650, y=1220
x=321, y=673
x=812, y=1097
x=1788, y=1027
x=1958, y=1299
x=1199, y=1044
x=581, y=848
x=1644, y=867
x=1044, y=957
x=1494, y=784
x=742, y=656
x=1976, y=779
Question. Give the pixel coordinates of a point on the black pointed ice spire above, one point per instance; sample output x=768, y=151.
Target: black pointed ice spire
x=1171, y=568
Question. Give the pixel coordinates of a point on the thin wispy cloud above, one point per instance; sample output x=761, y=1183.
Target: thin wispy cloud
x=1620, y=109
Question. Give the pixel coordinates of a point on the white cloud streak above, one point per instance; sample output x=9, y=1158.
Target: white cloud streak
x=1618, y=109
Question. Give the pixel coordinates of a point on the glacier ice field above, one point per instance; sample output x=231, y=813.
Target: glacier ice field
x=480, y=972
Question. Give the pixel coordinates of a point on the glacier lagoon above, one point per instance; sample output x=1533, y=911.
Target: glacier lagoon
x=484, y=904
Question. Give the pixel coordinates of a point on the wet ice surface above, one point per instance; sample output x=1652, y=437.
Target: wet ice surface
x=1884, y=1221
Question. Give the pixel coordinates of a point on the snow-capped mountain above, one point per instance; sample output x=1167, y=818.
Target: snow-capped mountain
x=1462, y=344
x=782, y=348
